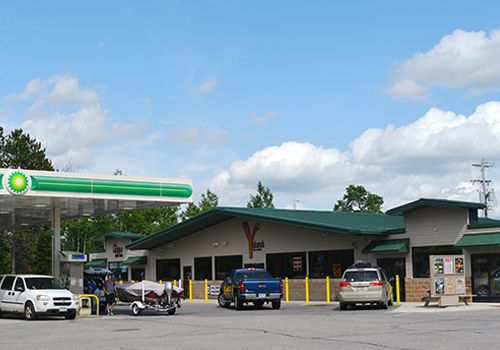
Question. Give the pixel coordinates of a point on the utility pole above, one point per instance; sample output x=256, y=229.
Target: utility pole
x=485, y=192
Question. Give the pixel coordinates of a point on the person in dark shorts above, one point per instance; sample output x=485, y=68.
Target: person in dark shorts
x=110, y=291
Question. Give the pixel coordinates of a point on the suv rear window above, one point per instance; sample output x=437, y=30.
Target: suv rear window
x=360, y=276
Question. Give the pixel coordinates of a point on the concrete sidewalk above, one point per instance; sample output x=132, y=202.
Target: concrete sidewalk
x=403, y=307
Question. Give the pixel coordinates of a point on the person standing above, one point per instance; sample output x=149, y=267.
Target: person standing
x=110, y=291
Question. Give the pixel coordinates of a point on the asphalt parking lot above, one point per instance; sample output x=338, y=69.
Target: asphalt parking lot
x=295, y=326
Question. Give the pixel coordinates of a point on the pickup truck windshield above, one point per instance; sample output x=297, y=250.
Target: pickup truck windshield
x=251, y=275
x=42, y=283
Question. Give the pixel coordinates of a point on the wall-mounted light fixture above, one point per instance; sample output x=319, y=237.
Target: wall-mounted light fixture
x=215, y=244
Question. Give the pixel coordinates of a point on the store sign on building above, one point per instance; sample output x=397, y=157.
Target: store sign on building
x=258, y=246
x=118, y=251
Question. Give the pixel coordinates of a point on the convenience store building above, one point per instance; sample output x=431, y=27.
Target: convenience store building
x=300, y=243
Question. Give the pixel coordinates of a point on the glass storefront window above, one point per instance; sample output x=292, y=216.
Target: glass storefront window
x=168, y=269
x=421, y=258
x=486, y=276
x=203, y=268
x=291, y=265
x=137, y=273
x=224, y=264
x=120, y=272
x=330, y=263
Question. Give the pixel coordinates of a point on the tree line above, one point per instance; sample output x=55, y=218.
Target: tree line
x=28, y=249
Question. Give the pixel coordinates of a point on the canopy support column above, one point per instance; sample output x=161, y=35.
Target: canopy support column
x=56, y=239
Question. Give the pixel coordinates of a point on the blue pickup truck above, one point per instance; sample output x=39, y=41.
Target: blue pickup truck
x=250, y=285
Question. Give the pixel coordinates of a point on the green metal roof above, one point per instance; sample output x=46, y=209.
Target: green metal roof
x=430, y=202
x=485, y=223
x=387, y=246
x=135, y=260
x=331, y=221
x=491, y=239
x=116, y=234
x=96, y=263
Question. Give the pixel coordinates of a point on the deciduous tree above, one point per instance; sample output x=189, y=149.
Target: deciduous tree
x=358, y=199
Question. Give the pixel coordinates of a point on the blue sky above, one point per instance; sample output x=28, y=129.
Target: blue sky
x=231, y=92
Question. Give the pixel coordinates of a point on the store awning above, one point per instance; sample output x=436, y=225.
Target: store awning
x=387, y=246
x=96, y=263
x=479, y=240
x=135, y=260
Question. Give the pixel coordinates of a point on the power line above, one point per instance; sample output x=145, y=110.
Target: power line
x=486, y=194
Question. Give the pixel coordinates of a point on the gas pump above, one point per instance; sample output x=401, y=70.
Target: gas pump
x=71, y=264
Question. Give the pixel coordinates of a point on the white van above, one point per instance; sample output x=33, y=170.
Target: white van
x=35, y=295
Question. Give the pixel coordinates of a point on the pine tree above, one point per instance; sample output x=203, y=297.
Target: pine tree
x=263, y=198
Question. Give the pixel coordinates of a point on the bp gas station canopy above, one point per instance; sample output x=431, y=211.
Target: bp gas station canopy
x=29, y=197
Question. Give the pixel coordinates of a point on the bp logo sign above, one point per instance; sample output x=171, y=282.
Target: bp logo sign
x=17, y=182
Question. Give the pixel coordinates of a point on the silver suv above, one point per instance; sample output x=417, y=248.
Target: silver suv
x=365, y=283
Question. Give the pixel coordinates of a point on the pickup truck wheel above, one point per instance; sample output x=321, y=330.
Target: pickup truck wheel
x=171, y=311
x=222, y=301
x=343, y=306
x=276, y=304
x=258, y=304
x=70, y=315
x=238, y=303
x=29, y=311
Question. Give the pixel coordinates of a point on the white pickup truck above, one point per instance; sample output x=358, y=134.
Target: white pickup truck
x=35, y=295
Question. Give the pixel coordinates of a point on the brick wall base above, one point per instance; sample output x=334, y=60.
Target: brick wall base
x=296, y=289
x=417, y=288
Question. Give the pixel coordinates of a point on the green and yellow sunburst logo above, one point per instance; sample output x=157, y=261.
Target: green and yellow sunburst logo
x=17, y=182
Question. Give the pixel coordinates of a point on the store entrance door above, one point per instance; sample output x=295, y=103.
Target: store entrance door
x=486, y=276
x=393, y=267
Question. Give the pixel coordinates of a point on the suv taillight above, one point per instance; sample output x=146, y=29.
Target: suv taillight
x=377, y=283
x=281, y=284
x=242, y=286
x=344, y=284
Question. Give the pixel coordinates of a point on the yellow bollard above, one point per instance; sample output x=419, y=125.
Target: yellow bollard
x=132, y=281
x=161, y=282
x=121, y=282
x=286, y=290
x=398, y=296
x=307, y=290
x=206, y=291
x=190, y=291
x=175, y=283
x=327, y=289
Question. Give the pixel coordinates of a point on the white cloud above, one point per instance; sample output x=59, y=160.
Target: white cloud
x=205, y=87
x=462, y=59
x=264, y=118
x=69, y=120
x=439, y=137
x=428, y=158
x=407, y=89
